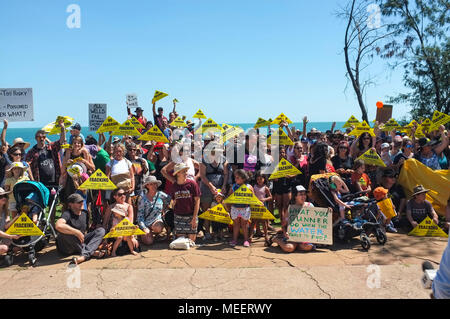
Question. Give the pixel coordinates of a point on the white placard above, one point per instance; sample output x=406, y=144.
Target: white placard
x=97, y=115
x=16, y=105
x=132, y=101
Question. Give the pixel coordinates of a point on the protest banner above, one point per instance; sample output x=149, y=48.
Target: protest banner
x=279, y=138
x=260, y=212
x=439, y=119
x=199, y=115
x=217, y=214
x=387, y=208
x=158, y=96
x=390, y=125
x=154, y=134
x=362, y=128
x=281, y=118
x=24, y=226
x=428, y=228
x=98, y=180
x=138, y=125
x=124, y=228
x=243, y=195
x=132, y=101
x=284, y=169
x=55, y=128
x=178, y=122
x=127, y=128
x=231, y=132
x=262, y=123
x=97, y=115
x=209, y=126
x=108, y=125
x=371, y=157
x=352, y=121
x=311, y=225
x=16, y=105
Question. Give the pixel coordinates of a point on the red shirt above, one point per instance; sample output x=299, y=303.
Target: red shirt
x=183, y=195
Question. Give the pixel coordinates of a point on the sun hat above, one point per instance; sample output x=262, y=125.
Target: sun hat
x=76, y=169
x=139, y=109
x=189, y=122
x=19, y=140
x=120, y=209
x=16, y=165
x=115, y=140
x=151, y=180
x=300, y=188
x=76, y=126
x=424, y=141
x=385, y=145
x=75, y=198
x=3, y=192
x=219, y=193
x=179, y=167
x=379, y=193
x=419, y=189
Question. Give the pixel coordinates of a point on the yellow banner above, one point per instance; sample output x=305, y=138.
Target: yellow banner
x=199, y=115
x=387, y=208
x=261, y=212
x=371, y=158
x=109, y=125
x=362, y=128
x=124, y=228
x=24, y=226
x=279, y=138
x=98, y=180
x=158, y=96
x=351, y=121
x=231, y=133
x=284, y=169
x=138, y=125
x=127, y=128
x=262, y=123
x=438, y=120
x=281, y=118
x=178, y=122
x=217, y=214
x=209, y=126
x=390, y=125
x=243, y=195
x=428, y=228
x=154, y=134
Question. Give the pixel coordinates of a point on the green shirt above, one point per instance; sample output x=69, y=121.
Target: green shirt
x=101, y=160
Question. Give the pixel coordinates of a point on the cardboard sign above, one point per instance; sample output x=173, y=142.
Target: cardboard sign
x=384, y=113
x=124, y=228
x=24, y=226
x=108, y=125
x=97, y=115
x=284, y=169
x=158, y=96
x=217, y=214
x=178, y=122
x=98, y=180
x=209, y=126
x=132, y=101
x=16, y=105
x=362, y=128
x=199, y=115
x=279, y=138
x=138, y=125
x=351, y=121
x=438, y=120
x=310, y=225
x=428, y=228
x=261, y=212
x=372, y=158
x=262, y=123
x=154, y=134
x=281, y=118
x=387, y=208
x=127, y=128
x=243, y=195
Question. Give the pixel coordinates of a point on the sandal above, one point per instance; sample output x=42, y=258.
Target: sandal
x=269, y=242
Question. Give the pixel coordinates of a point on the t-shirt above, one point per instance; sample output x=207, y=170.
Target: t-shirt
x=316, y=167
x=3, y=164
x=119, y=167
x=79, y=222
x=419, y=211
x=101, y=160
x=47, y=173
x=342, y=163
x=183, y=195
x=363, y=180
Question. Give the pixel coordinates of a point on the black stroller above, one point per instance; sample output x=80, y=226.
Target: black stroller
x=33, y=197
x=363, y=224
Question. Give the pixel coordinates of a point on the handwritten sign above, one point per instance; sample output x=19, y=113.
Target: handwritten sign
x=97, y=115
x=16, y=105
x=310, y=225
x=132, y=101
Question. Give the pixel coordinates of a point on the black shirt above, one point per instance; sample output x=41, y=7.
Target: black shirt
x=47, y=172
x=79, y=222
x=3, y=164
x=340, y=163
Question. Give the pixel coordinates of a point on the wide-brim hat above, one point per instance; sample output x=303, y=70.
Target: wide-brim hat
x=419, y=189
x=151, y=180
x=20, y=140
x=16, y=165
x=3, y=192
x=179, y=167
x=119, y=209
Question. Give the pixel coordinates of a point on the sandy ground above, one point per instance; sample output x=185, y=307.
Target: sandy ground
x=217, y=271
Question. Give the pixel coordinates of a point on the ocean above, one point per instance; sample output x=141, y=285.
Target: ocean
x=28, y=133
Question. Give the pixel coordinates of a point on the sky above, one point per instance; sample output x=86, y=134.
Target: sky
x=235, y=60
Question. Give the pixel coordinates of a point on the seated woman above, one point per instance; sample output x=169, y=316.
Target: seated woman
x=418, y=208
x=151, y=208
x=299, y=195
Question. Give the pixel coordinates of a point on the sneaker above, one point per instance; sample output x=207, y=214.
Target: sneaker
x=391, y=229
x=233, y=243
x=246, y=244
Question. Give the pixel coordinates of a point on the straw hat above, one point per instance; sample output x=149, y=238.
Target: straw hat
x=20, y=140
x=119, y=209
x=3, y=192
x=16, y=165
x=419, y=189
x=151, y=180
x=179, y=167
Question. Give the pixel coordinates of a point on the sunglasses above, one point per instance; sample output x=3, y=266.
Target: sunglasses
x=121, y=194
x=3, y=196
x=409, y=146
x=17, y=154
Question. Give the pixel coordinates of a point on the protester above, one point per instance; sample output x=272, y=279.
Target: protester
x=342, y=161
x=159, y=117
x=75, y=131
x=5, y=223
x=17, y=170
x=418, y=208
x=139, y=116
x=17, y=154
x=120, y=170
x=360, y=180
x=262, y=192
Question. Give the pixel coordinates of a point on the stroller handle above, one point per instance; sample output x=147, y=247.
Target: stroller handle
x=354, y=195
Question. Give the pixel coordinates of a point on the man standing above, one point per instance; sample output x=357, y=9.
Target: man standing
x=72, y=237
x=139, y=116
x=159, y=117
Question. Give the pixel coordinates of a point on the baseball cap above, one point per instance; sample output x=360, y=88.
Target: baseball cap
x=76, y=126
x=75, y=198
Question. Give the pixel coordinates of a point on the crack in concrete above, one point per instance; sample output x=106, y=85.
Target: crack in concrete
x=316, y=282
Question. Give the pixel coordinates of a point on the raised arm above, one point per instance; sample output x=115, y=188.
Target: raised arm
x=444, y=141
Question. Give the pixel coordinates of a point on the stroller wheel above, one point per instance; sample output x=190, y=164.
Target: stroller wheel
x=365, y=242
x=9, y=260
x=381, y=237
x=32, y=259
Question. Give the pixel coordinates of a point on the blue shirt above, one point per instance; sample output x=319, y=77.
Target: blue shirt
x=71, y=138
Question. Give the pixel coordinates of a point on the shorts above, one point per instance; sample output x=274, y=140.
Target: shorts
x=183, y=224
x=243, y=212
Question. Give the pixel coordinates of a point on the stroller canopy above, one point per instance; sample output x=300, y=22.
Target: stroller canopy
x=31, y=191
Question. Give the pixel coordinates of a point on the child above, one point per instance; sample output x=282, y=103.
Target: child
x=217, y=228
x=17, y=169
x=5, y=223
x=262, y=192
x=337, y=187
x=380, y=194
x=240, y=213
x=360, y=180
x=119, y=212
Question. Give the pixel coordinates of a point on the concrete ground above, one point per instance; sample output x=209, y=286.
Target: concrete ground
x=219, y=271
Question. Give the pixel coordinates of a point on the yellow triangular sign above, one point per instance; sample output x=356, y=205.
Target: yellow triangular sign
x=98, y=180
x=108, y=125
x=138, y=125
x=231, y=133
x=371, y=158
x=158, y=96
x=362, y=128
x=127, y=128
x=390, y=125
x=209, y=126
x=178, y=122
x=426, y=125
x=55, y=128
x=260, y=212
x=284, y=169
x=387, y=208
x=261, y=123
x=351, y=121
x=226, y=126
x=217, y=214
x=243, y=195
x=24, y=226
x=428, y=228
x=199, y=115
x=154, y=134
x=438, y=120
x=279, y=138
x=124, y=228
x=281, y=118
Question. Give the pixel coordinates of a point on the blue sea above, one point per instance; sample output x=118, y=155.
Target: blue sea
x=28, y=133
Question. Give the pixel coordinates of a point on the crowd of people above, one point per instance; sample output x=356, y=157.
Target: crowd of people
x=164, y=187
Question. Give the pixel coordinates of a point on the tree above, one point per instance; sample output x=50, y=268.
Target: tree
x=362, y=34
x=421, y=44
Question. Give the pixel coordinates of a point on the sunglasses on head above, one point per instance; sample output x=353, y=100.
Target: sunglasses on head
x=3, y=196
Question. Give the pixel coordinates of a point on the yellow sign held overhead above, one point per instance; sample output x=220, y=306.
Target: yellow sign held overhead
x=284, y=169
x=362, y=128
x=138, y=125
x=98, y=180
x=243, y=195
x=438, y=120
x=217, y=214
x=428, y=228
x=426, y=125
x=387, y=208
x=262, y=123
x=231, y=133
x=124, y=228
x=178, y=122
x=154, y=134
x=24, y=226
x=390, y=125
x=209, y=126
x=108, y=125
x=351, y=121
x=158, y=96
x=199, y=115
x=127, y=128
x=371, y=158
x=281, y=118
x=260, y=212
x=279, y=138
x=54, y=128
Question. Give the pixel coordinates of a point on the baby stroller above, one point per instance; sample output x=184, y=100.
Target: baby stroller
x=32, y=197
x=362, y=225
